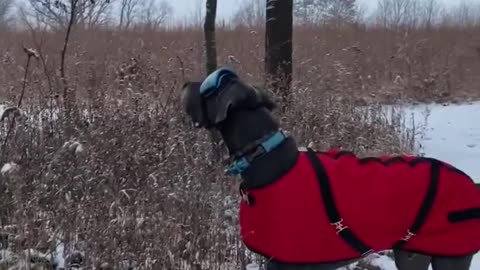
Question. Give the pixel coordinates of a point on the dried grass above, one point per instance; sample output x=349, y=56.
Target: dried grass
x=136, y=185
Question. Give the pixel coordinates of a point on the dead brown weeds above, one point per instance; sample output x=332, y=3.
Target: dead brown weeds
x=135, y=185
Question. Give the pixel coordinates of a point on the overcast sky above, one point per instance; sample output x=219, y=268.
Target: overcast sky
x=183, y=9
x=225, y=8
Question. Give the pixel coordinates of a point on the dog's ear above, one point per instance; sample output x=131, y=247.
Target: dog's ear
x=220, y=94
x=193, y=103
x=238, y=95
x=262, y=98
x=225, y=101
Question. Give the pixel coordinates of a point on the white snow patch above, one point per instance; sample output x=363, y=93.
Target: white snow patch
x=74, y=145
x=58, y=255
x=382, y=261
x=476, y=262
x=452, y=134
x=79, y=148
x=8, y=167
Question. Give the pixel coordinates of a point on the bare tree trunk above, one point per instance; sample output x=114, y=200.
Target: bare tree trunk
x=211, y=62
x=278, y=47
x=123, y=7
x=69, y=95
x=209, y=32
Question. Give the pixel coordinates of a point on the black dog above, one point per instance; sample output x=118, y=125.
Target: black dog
x=289, y=213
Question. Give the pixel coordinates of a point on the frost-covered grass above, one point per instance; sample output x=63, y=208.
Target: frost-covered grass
x=130, y=188
x=128, y=182
x=141, y=189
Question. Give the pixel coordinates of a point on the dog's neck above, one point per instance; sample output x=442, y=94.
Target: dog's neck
x=244, y=131
x=243, y=127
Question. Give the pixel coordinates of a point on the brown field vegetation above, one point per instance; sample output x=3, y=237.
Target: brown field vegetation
x=127, y=180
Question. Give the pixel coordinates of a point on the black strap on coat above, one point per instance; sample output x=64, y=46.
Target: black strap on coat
x=333, y=215
x=464, y=215
x=426, y=205
x=346, y=233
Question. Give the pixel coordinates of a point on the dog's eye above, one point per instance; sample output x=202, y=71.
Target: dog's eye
x=196, y=124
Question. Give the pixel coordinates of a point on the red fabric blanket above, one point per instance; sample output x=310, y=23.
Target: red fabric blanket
x=378, y=198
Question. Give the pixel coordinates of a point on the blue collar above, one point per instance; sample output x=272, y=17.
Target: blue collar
x=240, y=165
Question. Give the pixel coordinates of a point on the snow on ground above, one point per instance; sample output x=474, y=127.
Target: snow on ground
x=8, y=167
x=452, y=135
x=382, y=261
x=58, y=257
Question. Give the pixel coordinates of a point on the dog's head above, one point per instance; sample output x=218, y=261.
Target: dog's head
x=210, y=102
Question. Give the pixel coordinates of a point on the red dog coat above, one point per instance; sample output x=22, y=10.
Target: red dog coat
x=433, y=206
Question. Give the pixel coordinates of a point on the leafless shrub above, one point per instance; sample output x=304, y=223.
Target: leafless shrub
x=137, y=187
x=58, y=13
x=134, y=185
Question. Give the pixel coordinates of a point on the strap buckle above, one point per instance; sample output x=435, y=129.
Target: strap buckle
x=339, y=226
x=245, y=196
x=237, y=167
x=408, y=236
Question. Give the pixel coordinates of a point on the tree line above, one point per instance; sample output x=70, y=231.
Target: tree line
x=55, y=14
x=127, y=14
x=387, y=14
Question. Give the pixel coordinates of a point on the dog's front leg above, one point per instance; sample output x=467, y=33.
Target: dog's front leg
x=406, y=260
x=452, y=263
